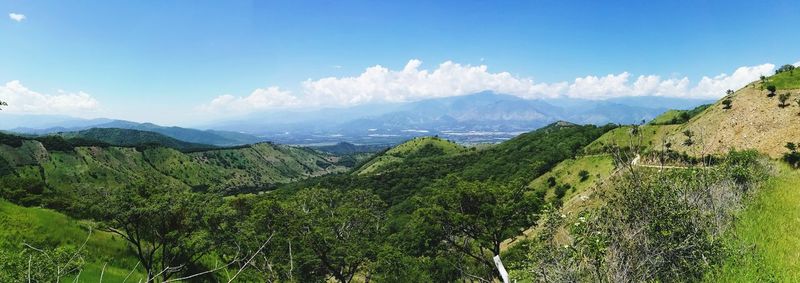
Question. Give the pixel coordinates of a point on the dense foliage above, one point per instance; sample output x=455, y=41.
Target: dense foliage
x=438, y=214
x=655, y=226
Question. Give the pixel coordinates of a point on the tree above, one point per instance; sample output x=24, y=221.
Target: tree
x=771, y=89
x=727, y=103
x=3, y=103
x=792, y=157
x=689, y=138
x=343, y=230
x=551, y=181
x=473, y=218
x=584, y=175
x=165, y=227
x=785, y=68
x=782, y=99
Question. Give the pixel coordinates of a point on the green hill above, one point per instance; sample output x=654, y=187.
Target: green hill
x=424, y=147
x=674, y=117
x=61, y=165
x=128, y=137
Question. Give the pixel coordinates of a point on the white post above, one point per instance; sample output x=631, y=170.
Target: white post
x=501, y=268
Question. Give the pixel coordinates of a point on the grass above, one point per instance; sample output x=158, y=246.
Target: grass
x=414, y=145
x=666, y=117
x=785, y=80
x=769, y=230
x=419, y=147
x=44, y=228
x=600, y=167
x=652, y=135
x=566, y=172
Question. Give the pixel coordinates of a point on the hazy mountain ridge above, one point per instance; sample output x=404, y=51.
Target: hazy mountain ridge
x=480, y=117
x=130, y=137
x=210, y=137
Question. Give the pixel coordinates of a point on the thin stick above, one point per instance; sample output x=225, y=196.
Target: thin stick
x=30, y=258
x=129, y=273
x=102, y=272
x=251, y=258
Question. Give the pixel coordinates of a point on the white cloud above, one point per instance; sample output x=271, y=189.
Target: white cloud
x=715, y=87
x=412, y=83
x=797, y=64
x=20, y=99
x=380, y=84
x=259, y=99
x=16, y=17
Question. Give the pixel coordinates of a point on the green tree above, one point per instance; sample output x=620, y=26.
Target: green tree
x=785, y=68
x=475, y=217
x=551, y=181
x=689, y=141
x=792, y=157
x=165, y=227
x=771, y=89
x=782, y=99
x=343, y=230
x=584, y=175
x=727, y=103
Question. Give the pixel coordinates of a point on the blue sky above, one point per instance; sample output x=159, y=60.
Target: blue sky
x=176, y=62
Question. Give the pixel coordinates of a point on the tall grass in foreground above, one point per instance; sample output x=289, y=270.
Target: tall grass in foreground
x=768, y=234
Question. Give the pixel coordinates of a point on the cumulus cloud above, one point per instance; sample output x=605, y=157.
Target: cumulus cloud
x=259, y=99
x=715, y=87
x=16, y=17
x=20, y=99
x=380, y=84
x=413, y=82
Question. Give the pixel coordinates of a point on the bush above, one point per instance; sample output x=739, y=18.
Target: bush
x=584, y=175
x=657, y=226
x=771, y=89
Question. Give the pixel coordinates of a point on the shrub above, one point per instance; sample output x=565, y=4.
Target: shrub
x=771, y=89
x=584, y=175
x=727, y=103
x=782, y=99
x=657, y=226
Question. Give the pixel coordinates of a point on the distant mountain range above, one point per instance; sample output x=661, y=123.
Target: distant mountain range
x=69, y=125
x=480, y=117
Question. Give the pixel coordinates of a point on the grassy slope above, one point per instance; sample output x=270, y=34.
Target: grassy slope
x=769, y=226
x=44, y=228
x=566, y=172
x=397, y=154
x=652, y=136
x=753, y=122
x=666, y=117
x=600, y=168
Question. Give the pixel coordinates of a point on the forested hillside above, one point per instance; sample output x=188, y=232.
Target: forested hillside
x=128, y=137
x=52, y=163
